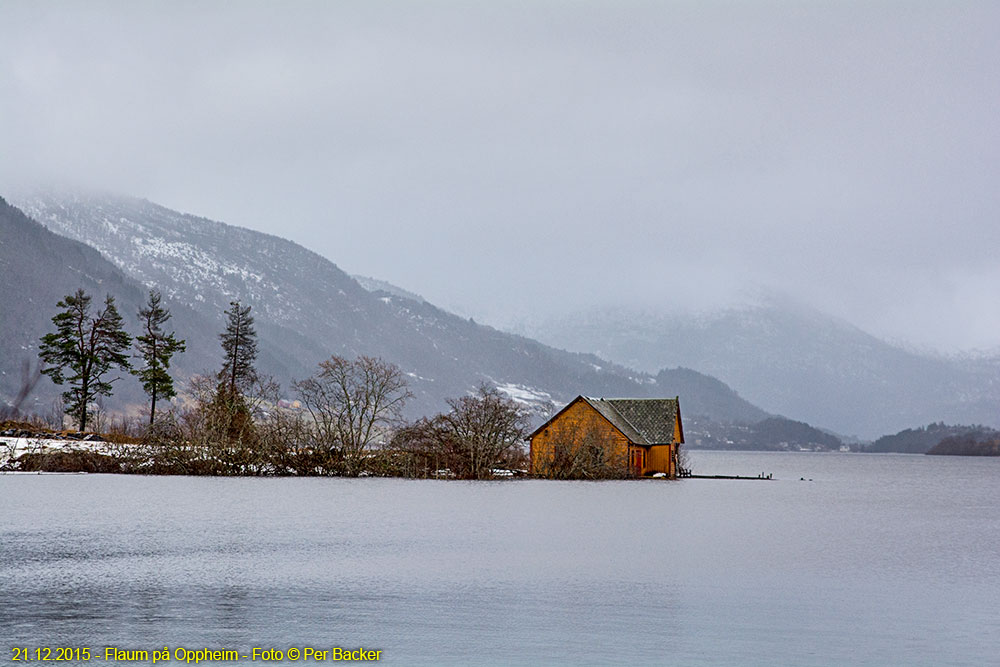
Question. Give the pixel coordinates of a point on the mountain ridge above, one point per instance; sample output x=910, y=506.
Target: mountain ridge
x=307, y=308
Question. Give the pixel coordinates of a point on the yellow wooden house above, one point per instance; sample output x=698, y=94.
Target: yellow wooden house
x=641, y=436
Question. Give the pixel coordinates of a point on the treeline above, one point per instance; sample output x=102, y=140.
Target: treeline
x=347, y=419
x=971, y=444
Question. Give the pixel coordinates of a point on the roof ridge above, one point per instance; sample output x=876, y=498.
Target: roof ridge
x=625, y=398
x=635, y=400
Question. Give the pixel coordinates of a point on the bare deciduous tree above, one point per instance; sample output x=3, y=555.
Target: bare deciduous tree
x=353, y=403
x=587, y=455
x=481, y=432
x=683, y=462
x=221, y=430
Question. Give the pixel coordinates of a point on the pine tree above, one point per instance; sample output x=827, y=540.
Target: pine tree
x=239, y=343
x=156, y=349
x=86, y=346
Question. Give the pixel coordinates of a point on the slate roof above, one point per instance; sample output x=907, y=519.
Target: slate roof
x=644, y=421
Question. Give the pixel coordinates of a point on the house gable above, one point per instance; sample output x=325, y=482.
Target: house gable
x=578, y=419
x=627, y=425
x=572, y=406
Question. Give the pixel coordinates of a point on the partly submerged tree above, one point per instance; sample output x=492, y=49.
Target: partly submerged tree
x=83, y=349
x=239, y=344
x=156, y=349
x=224, y=427
x=585, y=454
x=488, y=428
x=353, y=403
x=481, y=433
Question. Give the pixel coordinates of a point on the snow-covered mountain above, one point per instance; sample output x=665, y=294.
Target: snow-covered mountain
x=793, y=360
x=38, y=268
x=788, y=359
x=306, y=309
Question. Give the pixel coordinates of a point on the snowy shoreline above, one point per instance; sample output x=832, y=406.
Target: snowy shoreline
x=12, y=447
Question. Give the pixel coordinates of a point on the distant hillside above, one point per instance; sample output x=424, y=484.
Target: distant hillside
x=376, y=285
x=793, y=360
x=922, y=440
x=771, y=434
x=704, y=396
x=306, y=309
x=967, y=445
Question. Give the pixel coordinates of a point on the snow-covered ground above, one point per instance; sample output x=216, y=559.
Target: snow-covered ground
x=11, y=448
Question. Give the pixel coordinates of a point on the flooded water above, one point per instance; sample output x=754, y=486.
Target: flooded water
x=841, y=559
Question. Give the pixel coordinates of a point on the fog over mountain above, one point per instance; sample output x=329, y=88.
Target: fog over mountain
x=788, y=358
x=794, y=360
x=305, y=307
x=514, y=161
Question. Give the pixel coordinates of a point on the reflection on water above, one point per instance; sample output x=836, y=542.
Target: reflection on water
x=877, y=560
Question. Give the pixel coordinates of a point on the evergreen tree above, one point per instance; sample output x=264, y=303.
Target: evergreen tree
x=239, y=344
x=155, y=349
x=87, y=347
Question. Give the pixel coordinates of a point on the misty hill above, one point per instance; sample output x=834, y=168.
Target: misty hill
x=717, y=417
x=705, y=396
x=39, y=268
x=793, y=360
x=306, y=309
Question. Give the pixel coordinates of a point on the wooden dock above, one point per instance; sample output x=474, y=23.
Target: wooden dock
x=761, y=476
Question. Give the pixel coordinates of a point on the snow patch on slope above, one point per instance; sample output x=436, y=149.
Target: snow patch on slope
x=525, y=395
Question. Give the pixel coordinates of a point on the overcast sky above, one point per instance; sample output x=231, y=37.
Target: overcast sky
x=508, y=159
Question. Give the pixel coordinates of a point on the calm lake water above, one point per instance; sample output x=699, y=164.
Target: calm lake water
x=872, y=560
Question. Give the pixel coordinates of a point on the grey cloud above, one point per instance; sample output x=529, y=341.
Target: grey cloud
x=496, y=158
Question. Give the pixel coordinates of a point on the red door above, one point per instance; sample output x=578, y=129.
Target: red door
x=638, y=460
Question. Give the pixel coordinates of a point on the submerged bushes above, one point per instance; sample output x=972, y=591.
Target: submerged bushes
x=223, y=434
